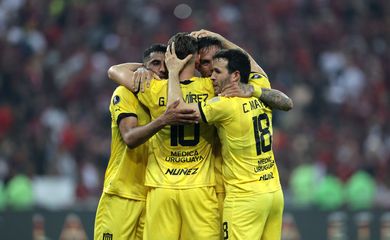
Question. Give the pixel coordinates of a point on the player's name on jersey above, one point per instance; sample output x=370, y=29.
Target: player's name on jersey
x=189, y=98
x=252, y=105
x=192, y=97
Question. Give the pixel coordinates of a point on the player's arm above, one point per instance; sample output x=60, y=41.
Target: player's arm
x=272, y=97
x=130, y=75
x=123, y=73
x=230, y=45
x=174, y=66
x=134, y=135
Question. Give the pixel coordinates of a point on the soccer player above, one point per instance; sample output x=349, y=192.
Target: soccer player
x=139, y=74
x=154, y=60
x=121, y=209
x=254, y=202
x=181, y=203
x=209, y=43
x=207, y=47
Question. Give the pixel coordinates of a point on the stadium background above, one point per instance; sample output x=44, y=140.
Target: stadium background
x=330, y=56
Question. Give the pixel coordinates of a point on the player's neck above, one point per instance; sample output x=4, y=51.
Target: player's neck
x=188, y=72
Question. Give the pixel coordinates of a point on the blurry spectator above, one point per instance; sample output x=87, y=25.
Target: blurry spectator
x=73, y=229
x=302, y=184
x=346, y=84
x=329, y=193
x=19, y=193
x=289, y=229
x=6, y=120
x=38, y=225
x=360, y=191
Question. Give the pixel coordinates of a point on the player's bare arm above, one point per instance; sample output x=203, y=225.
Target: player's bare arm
x=229, y=45
x=131, y=75
x=272, y=97
x=174, y=66
x=134, y=135
x=121, y=74
x=276, y=99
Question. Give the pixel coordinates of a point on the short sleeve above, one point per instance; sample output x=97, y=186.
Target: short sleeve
x=259, y=80
x=215, y=110
x=123, y=104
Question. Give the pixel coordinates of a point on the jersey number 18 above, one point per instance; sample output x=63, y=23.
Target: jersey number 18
x=262, y=133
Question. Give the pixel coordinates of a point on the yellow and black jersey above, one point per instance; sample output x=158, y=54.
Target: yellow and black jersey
x=245, y=129
x=180, y=156
x=125, y=173
x=259, y=80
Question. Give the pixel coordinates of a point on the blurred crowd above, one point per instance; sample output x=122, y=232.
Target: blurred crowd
x=329, y=56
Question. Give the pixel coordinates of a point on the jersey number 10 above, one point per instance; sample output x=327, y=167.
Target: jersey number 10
x=262, y=133
x=177, y=135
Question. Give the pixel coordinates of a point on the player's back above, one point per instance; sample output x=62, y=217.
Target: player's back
x=180, y=155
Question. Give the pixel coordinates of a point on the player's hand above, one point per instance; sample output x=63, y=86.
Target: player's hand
x=237, y=90
x=142, y=77
x=175, y=115
x=145, y=81
x=205, y=33
x=173, y=63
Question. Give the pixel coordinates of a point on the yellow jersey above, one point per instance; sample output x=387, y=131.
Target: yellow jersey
x=219, y=187
x=244, y=127
x=259, y=80
x=125, y=173
x=180, y=156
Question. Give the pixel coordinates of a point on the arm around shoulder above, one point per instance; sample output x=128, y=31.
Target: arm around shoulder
x=275, y=99
x=123, y=73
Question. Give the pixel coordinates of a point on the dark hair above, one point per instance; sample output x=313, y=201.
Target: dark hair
x=184, y=44
x=237, y=61
x=157, y=47
x=206, y=42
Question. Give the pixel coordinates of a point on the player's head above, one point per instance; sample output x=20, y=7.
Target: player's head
x=207, y=47
x=230, y=65
x=184, y=45
x=154, y=57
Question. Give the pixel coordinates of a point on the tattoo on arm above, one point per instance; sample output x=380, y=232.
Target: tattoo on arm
x=276, y=99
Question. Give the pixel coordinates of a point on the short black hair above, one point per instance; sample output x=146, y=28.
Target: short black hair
x=184, y=44
x=206, y=42
x=157, y=47
x=237, y=61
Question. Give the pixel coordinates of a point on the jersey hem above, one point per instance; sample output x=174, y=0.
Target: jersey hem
x=180, y=186
x=128, y=196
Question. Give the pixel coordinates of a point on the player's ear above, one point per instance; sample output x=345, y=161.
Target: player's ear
x=197, y=59
x=236, y=76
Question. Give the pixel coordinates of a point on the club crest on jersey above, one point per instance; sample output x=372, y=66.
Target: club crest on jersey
x=256, y=76
x=116, y=99
x=214, y=99
x=107, y=236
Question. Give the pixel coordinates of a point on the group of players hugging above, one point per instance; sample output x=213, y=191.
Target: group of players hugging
x=191, y=150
